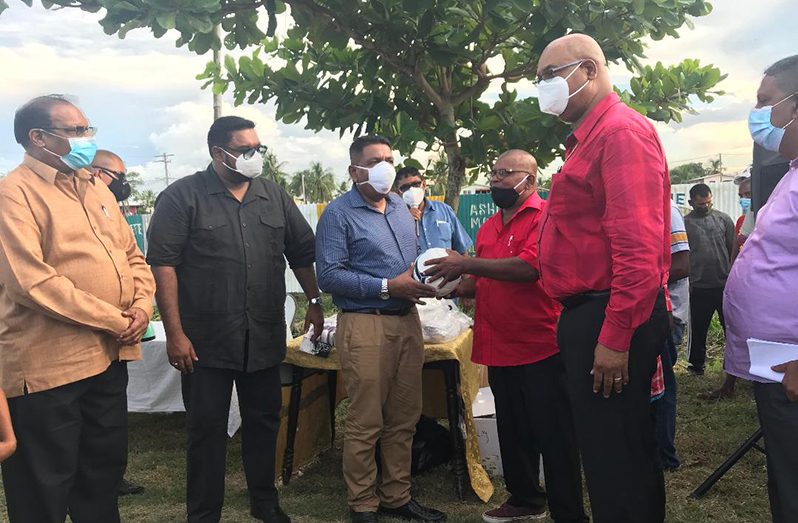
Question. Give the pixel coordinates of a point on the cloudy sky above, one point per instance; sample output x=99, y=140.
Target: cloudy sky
x=142, y=93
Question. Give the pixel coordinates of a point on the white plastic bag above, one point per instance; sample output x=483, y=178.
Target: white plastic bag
x=442, y=321
x=326, y=341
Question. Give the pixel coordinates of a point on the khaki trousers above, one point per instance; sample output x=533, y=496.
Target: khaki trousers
x=381, y=360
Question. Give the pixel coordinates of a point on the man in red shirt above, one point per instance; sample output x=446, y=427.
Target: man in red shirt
x=605, y=254
x=515, y=325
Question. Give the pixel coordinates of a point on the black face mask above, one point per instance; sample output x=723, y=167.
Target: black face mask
x=120, y=189
x=503, y=197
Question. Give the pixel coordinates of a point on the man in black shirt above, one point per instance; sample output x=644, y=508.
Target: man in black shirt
x=218, y=244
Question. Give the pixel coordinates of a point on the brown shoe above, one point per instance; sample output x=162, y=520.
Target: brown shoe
x=508, y=513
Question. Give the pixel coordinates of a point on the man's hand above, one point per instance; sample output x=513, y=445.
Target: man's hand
x=314, y=316
x=449, y=268
x=790, y=381
x=466, y=289
x=415, y=212
x=610, y=370
x=181, y=353
x=137, y=327
x=404, y=286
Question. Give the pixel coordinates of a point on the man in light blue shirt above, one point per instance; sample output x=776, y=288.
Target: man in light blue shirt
x=436, y=223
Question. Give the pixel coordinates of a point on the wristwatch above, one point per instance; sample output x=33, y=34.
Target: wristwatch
x=315, y=301
x=384, y=289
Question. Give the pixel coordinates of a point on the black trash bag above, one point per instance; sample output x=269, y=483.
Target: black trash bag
x=432, y=446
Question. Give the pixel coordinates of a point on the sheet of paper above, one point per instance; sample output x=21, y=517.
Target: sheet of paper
x=765, y=354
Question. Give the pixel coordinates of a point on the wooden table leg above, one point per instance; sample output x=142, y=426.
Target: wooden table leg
x=451, y=374
x=293, y=420
x=332, y=390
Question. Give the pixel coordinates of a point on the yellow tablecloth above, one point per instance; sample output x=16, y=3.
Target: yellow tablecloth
x=458, y=349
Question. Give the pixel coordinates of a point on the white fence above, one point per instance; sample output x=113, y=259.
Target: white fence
x=724, y=197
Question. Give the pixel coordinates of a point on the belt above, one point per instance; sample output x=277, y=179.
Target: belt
x=380, y=312
x=578, y=299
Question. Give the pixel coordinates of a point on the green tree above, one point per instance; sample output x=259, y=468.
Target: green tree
x=135, y=181
x=686, y=172
x=147, y=200
x=273, y=170
x=416, y=70
x=343, y=188
x=315, y=184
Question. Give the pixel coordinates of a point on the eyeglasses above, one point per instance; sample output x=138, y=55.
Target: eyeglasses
x=501, y=174
x=116, y=175
x=249, y=152
x=77, y=131
x=548, y=73
x=407, y=186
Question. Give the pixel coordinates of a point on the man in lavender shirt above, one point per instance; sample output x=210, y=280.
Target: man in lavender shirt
x=762, y=288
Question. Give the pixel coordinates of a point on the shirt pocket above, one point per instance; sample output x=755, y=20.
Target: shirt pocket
x=445, y=233
x=273, y=231
x=210, y=236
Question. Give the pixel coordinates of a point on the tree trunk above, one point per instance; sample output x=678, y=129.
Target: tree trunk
x=454, y=181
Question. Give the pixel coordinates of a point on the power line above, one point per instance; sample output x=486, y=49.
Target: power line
x=164, y=159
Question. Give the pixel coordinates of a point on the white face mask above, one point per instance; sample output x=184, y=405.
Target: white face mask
x=413, y=197
x=249, y=167
x=381, y=177
x=553, y=94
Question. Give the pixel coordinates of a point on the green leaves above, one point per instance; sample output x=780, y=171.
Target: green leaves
x=417, y=70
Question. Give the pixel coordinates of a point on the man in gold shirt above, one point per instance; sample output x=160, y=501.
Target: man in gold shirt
x=75, y=298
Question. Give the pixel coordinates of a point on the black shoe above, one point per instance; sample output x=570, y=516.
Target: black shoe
x=127, y=487
x=414, y=512
x=363, y=517
x=696, y=371
x=271, y=515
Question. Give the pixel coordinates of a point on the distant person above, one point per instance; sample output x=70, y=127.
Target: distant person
x=110, y=168
x=436, y=223
x=762, y=287
x=604, y=253
x=365, y=247
x=679, y=291
x=218, y=243
x=75, y=299
x=713, y=244
x=745, y=222
x=515, y=335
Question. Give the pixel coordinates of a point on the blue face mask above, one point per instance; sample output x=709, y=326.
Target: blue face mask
x=81, y=152
x=745, y=204
x=763, y=131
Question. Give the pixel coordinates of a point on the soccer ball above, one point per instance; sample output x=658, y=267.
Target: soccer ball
x=444, y=288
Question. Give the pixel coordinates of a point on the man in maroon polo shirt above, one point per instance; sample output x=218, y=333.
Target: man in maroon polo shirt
x=604, y=254
x=515, y=325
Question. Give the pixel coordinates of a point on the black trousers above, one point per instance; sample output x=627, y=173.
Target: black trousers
x=703, y=304
x=616, y=435
x=206, y=395
x=71, y=451
x=533, y=417
x=779, y=418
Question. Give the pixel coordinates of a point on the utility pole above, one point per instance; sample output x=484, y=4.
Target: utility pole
x=164, y=159
x=217, y=59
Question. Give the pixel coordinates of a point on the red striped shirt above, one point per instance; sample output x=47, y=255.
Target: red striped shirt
x=607, y=222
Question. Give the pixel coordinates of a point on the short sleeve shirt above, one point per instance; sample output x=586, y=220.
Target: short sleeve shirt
x=515, y=322
x=679, y=290
x=230, y=259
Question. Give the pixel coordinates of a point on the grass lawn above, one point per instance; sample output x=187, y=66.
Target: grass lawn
x=707, y=434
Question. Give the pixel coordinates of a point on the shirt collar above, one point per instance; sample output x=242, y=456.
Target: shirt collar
x=356, y=200
x=589, y=123
x=215, y=186
x=533, y=201
x=47, y=173
x=794, y=164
